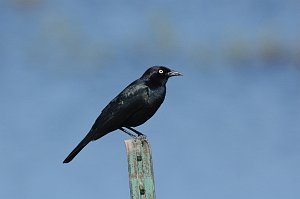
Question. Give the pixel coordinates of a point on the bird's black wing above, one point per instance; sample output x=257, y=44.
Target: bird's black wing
x=133, y=98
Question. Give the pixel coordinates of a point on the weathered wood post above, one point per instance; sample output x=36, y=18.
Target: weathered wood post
x=140, y=168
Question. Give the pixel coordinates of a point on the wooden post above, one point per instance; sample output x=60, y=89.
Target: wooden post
x=140, y=168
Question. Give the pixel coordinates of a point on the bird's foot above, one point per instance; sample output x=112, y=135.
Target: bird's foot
x=142, y=137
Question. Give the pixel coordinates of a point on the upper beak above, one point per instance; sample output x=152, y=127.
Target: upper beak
x=173, y=73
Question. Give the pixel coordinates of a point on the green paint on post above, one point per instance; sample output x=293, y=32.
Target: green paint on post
x=140, y=169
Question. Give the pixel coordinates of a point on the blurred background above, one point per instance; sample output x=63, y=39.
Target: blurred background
x=229, y=128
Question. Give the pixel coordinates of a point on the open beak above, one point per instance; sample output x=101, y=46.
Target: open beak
x=173, y=73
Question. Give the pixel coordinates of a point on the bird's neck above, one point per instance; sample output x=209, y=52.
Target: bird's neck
x=155, y=83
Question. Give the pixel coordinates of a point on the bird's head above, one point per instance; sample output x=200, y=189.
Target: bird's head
x=159, y=74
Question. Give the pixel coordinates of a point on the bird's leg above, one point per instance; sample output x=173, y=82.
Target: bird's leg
x=137, y=132
x=127, y=132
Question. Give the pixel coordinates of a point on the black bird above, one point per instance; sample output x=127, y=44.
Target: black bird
x=132, y=107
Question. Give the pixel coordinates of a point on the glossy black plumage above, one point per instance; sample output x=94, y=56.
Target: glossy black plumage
x=137, y=103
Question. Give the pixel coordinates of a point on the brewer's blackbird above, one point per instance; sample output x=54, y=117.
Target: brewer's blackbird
x=132, y=107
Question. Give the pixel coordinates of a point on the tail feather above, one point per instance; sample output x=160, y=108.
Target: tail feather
x=77, y=149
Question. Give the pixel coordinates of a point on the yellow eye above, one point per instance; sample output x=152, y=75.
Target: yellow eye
x=161, y=71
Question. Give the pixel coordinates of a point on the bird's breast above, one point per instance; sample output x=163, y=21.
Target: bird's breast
x=152, y=102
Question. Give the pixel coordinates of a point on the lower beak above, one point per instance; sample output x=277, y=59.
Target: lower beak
x=174, y=73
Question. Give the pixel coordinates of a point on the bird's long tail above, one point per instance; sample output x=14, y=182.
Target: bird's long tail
x=78, y=148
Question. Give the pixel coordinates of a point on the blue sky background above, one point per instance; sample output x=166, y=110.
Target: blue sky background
x=229, y=128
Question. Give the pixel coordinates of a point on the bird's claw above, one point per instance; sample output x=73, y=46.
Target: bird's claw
x=142, y=137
